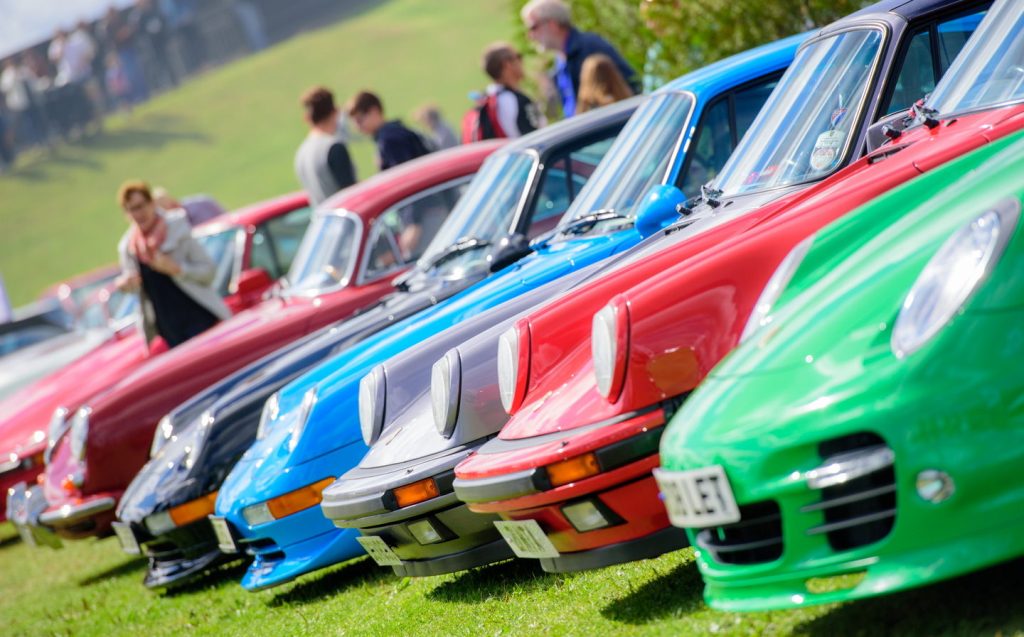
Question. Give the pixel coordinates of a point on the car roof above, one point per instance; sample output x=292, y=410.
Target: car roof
x=370, y=197
x=571, y=128
x=720, y=76
x=255, y=213
x=906, y=9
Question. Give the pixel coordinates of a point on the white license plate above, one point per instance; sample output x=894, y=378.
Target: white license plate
x=379, y=550
x=129, y=543
x=26, y=535
x=225, y=540
x=699, y=498
x=526, y=538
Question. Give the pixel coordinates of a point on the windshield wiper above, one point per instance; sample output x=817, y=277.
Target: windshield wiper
x=927, y=115
x=711, y=196
x=459, y=247
x=586, y=222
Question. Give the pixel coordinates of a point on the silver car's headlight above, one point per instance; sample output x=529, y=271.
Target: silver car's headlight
x=760, y=316
x=271, y=410
x=371, y=404
x=445, y=392
x=951, y=277
x=305, y=409
x=609, y=340
x=162, y=435
x=80, y=432
x=58, y=421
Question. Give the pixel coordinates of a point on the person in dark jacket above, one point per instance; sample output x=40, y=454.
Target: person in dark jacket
x=549, y=24
x=396, y=144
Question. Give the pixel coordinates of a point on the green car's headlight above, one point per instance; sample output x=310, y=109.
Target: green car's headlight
x=952, y=276
x=760, y=316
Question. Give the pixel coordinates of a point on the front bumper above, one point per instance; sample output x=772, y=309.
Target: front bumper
x=635, y=525
x=178, y=556
x=75, y=518
x=292, y=546
x=24, y=504
x=458, y=538
x=26, y=472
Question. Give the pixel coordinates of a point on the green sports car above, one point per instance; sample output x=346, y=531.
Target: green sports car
x=868, y=435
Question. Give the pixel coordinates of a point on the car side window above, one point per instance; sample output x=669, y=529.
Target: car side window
x=275, y=241
x=399, y=235
x=562, y=181
x=721, y=127
x=927, y=56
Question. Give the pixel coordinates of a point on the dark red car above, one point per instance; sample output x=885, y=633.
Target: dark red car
x=238, y=242
x=358, y=242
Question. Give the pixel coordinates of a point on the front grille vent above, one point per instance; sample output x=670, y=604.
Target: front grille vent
x=755, y=539
x=857, y=480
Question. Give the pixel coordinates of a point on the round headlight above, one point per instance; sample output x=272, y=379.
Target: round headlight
x=305, y=409
x=513, y=346
x=271, y=409
x=445, y=392
x=608, y=347
x=760, y=316
x=951, y=277
x=164, y=431
x=371, y=404
x=79, y=432
x=57, y=423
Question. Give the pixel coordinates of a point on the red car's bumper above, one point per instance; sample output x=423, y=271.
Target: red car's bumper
x=27, y=471
x=626, y=519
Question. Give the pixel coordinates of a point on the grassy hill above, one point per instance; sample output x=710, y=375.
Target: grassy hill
x=233, y=131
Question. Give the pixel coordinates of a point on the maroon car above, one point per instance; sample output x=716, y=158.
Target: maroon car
x=359, y=241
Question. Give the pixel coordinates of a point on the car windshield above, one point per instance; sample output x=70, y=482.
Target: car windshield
x=221, y=247
x=484, y=212
x=637, y=160
x=990, y=70
x=804, y=129
x=326, y=255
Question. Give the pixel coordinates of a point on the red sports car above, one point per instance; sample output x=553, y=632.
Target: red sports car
x=570, y=474
x=239, y=242
x=359, y=241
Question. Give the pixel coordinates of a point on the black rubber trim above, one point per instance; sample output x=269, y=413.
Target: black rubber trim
x=503, y=487
x=482, y=555
x=499, y=445
x=630, y=449
x=653, y=545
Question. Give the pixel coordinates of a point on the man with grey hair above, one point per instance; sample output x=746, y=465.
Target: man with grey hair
x=549, y=24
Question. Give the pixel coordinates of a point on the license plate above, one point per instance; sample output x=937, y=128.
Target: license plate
x=129, y=543
x=379, y=550
x=225, y=539
x=699, y=498
x=26, y=535
x=526, y=538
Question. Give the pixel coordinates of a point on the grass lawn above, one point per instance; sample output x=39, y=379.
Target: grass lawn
x=91, y=588
x=233, y=131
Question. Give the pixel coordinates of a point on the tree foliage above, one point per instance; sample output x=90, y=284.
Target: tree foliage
x=672, y=37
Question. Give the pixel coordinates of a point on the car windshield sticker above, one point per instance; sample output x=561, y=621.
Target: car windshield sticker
x=826, y=150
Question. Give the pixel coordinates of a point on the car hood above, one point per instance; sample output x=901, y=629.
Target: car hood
x=26, y=365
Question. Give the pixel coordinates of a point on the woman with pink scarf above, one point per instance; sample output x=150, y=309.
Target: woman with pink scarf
x=169, y=269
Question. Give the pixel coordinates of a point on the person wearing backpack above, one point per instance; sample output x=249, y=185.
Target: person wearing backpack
x=504, y=111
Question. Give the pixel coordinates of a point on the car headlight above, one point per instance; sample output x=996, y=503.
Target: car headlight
x=513, y=370
x=162, y=435
x=79, y=432
x=371, y=404
x=305, y=409
x=58, y=421
x=445, y=392
x=760, y=316
x=951, y=277
x=271, y=410
x=609, y=347
x=196, y=436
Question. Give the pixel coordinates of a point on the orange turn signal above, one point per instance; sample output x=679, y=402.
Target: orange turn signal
x=298, y=500
x=573, y=469
x=416, y=492
x=195, y=510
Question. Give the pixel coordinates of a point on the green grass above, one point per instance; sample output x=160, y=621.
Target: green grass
x=91, y=588
x=233, y=131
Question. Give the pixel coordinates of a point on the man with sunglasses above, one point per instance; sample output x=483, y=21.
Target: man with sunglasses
x=549, y=24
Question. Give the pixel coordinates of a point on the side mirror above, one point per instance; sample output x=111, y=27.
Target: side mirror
x=510, y=249
x=253, y=281
x=888, y=128
x=658, y=209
